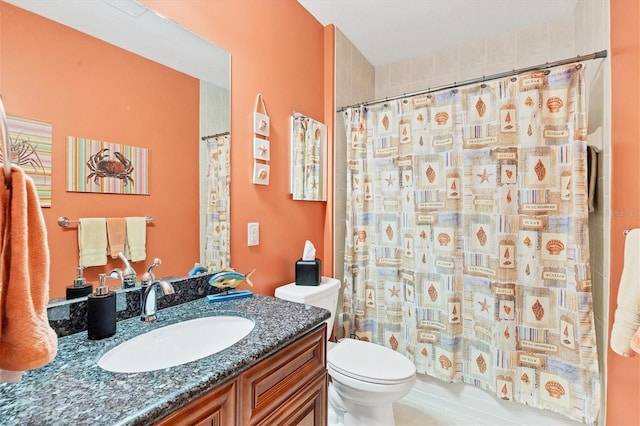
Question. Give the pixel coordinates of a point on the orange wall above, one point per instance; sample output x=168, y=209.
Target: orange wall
x=87, y=88
x=624, y=373
x=280, y=57
x=276, y=50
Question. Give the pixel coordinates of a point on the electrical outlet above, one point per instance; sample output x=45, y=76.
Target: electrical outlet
x=253, y=234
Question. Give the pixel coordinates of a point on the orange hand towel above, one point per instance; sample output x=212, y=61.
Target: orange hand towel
x=26, y=339
x=116, y=235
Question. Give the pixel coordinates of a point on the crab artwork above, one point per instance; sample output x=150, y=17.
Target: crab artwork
x=102, y=165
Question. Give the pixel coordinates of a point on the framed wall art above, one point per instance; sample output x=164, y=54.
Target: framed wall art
x=106, y=167
x=31, y=149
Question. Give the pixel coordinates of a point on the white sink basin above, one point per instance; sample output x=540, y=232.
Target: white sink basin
x=176, y=344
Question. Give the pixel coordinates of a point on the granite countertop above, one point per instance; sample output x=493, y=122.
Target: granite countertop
x=73, y=390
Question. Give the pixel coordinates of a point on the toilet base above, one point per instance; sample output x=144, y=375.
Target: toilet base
x=379, y=415
x=374, y=416
x=341, y=413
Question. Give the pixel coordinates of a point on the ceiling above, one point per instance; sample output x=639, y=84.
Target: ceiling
x=389, y=31
x=132, y=26
x=384, y=31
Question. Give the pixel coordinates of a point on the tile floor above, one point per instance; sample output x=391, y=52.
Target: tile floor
x=407, y=415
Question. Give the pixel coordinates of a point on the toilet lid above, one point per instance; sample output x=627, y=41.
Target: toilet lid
x=369, y=362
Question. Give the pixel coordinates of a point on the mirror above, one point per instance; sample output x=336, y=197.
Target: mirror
x=134, y=28
x=308, y=158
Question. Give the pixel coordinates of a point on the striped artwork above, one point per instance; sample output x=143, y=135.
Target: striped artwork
x=106, y=167
x=31, y=150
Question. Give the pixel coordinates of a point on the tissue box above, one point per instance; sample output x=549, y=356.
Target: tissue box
x=308, y=272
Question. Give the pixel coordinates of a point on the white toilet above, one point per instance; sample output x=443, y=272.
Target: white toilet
x=366, y=378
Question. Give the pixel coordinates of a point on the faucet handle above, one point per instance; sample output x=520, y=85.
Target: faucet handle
x=149, y=276
x=147, y=279
x=155, y=263
x=115, y=274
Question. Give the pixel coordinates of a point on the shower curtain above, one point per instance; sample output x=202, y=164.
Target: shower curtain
x=467, y=241
x=217, y=250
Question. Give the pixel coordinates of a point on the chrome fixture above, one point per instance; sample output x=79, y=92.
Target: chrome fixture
x=148, y=276
x=148, y=295
x=116, y=274
x=129, y=274
x=65, y=222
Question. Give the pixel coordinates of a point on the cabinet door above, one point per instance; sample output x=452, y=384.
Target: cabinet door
x=307, y=408
x=216, y=408
x=285, y=378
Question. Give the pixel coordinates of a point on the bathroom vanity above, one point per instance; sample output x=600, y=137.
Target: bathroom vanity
x=289, y=387
x=275, y=375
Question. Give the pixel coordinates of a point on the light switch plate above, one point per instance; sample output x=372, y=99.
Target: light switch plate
x=253, y=234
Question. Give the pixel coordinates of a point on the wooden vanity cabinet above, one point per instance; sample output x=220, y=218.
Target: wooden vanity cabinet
x=217, y=407
x=289, y=387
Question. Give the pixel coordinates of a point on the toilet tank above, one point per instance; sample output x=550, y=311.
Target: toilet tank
x=324, y=296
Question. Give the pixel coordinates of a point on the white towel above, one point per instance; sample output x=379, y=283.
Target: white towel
x=136, y=246
x=592, y=173
x=92, y=241
x=627, y=316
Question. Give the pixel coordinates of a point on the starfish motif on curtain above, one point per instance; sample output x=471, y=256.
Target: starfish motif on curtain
x=390, y=180
x=484, y=176
x=484, y=306
x=394, y=292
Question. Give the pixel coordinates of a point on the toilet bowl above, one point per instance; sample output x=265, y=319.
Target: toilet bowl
x=368, y=378
x=365, y=378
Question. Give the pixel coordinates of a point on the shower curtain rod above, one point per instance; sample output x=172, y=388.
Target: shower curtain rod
x=217, y=135
x=595, y=55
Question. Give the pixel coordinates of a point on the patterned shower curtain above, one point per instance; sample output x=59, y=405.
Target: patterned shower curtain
x=217, y=250
x=467, y=242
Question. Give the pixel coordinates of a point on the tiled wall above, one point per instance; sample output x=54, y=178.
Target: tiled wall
x=355, y=82
x=583, y=33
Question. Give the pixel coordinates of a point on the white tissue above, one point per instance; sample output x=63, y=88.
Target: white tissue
x=309, y=252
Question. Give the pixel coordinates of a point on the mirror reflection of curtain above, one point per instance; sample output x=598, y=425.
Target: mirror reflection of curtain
x=467, y=239
x=217, y=251
x=307, y=158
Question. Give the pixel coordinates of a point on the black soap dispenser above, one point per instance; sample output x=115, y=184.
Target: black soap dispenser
x=101, y=311
x=80, y=288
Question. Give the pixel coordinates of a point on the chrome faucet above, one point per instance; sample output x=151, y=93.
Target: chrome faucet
x=149, y=293
x=116, y=274
x=129, y=274
x=148, y=276
x=148, y=296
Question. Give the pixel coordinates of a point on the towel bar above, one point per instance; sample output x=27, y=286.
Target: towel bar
x=64, y=221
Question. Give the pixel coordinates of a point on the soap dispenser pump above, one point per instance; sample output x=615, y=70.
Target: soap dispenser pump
x=80, y=288
x=101, y=311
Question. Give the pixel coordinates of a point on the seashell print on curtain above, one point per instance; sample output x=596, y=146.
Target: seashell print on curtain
x=217, y=251
x=467, y=242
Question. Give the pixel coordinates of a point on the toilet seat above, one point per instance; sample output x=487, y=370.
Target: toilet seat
x=370, y=363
